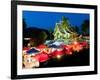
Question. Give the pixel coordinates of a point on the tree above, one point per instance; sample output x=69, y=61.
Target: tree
x=24, y=24
x=24, y=27
x=51, y=33
x=42, y=37
x=76, y=29
x=85, y=27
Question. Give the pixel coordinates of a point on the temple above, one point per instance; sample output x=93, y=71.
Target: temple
x=63, y=30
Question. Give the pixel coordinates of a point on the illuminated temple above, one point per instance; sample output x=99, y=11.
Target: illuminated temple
x=63, y=30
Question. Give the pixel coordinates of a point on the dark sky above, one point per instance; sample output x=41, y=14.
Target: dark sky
x=47, y=20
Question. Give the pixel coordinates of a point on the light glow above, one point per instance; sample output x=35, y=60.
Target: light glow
x=58, y=56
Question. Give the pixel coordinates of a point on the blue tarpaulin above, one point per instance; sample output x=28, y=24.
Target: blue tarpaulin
x=32, y=51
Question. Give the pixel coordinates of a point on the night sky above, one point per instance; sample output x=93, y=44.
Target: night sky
x=47, y=20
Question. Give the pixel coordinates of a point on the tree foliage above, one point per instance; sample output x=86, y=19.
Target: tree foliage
x=85, y=27
x=24, y=24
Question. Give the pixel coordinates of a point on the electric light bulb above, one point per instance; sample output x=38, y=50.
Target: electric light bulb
x=75, y=42
x=58, y=56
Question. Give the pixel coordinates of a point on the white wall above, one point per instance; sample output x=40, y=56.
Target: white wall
x=5, y=29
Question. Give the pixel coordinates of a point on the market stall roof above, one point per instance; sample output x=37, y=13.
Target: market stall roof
x=54, y=46
x=33, y=50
